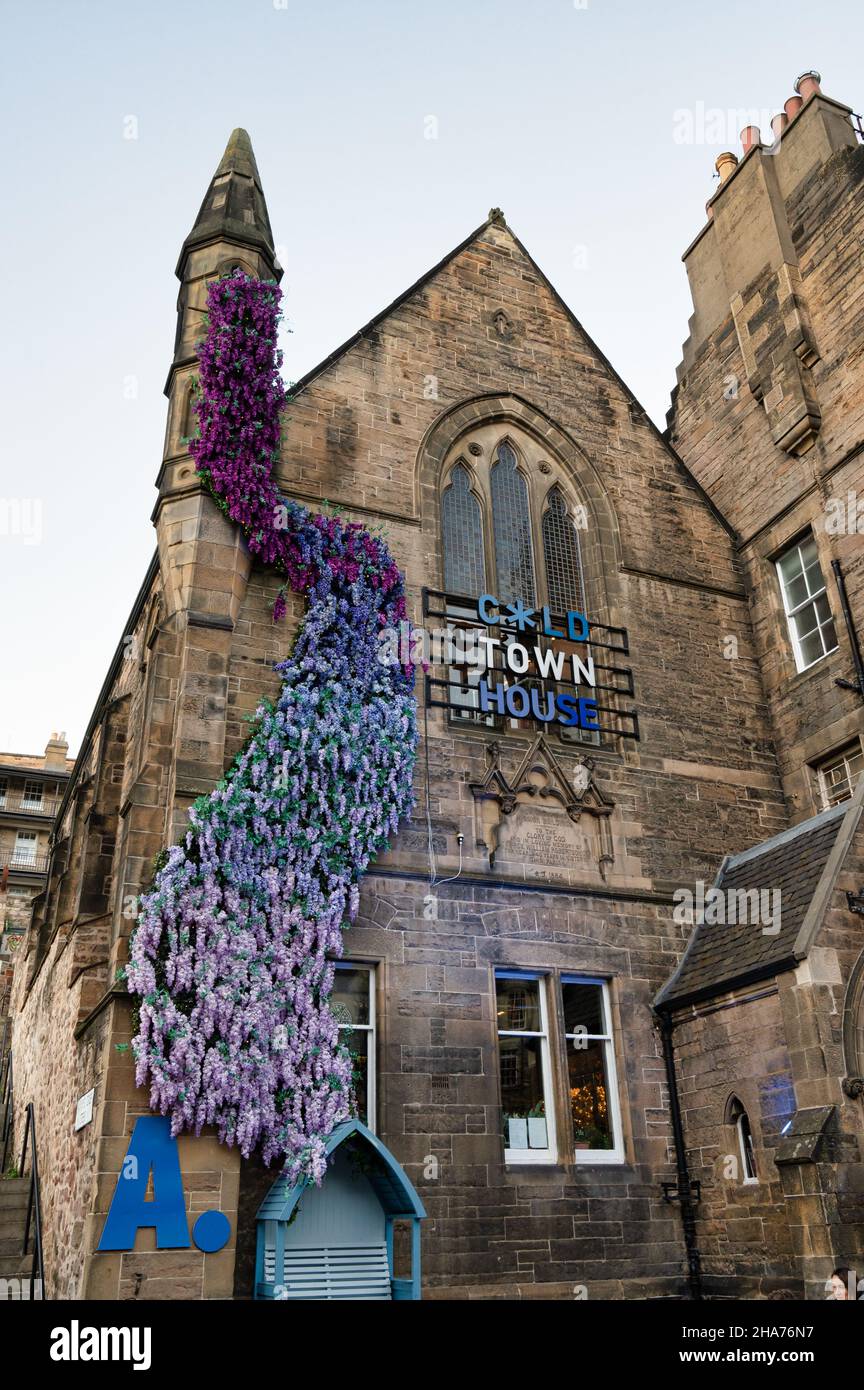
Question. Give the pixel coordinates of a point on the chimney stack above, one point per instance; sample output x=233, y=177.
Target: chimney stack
x=55, y=751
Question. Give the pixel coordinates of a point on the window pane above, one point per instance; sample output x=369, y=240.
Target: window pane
x=809, y=553
x=829, y=636
x=357, y=1042
x=811, y=649
x=562, y=557
x=349, y=1001
x=823, y=609
x=592, y=1125
x=583, y=1008
x=815, y=581
x=789, y=565
x=519, y=1005
x=512, y=526
x=464, y=570
x=522, y=1098
x=805, y=621
x=796, y=592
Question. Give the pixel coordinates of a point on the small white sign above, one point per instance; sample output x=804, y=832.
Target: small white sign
x=84, y=1110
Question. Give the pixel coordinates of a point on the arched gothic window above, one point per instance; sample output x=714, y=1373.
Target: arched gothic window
x=736, y=1115
x=509, y=529
x=511, y=523
x=462, y=526
x=531, y=550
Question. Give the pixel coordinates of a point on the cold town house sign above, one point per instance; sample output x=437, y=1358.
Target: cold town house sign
x=507, y=664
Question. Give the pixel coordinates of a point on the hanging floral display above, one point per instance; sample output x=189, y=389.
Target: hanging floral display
x=232, y=955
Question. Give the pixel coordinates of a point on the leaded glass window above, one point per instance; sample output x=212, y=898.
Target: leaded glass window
x=512, y=526
x=562, y=557
x=464, y=570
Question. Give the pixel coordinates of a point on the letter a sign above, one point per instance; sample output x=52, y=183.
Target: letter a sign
x=153, y=1149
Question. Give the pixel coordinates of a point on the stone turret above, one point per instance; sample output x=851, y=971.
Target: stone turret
x=232, y=229
x=204, y=562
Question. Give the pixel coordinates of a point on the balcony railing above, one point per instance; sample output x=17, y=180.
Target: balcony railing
x=24, y=863
x=17, y=804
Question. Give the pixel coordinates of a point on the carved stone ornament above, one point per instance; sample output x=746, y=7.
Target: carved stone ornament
x=541, y=782
x=503, y=325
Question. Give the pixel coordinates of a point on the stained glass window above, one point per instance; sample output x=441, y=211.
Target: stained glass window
x=512, y=526
x=462, y=525
x=563, y=558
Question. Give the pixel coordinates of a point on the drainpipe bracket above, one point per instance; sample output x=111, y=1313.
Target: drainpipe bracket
x=672, y=1194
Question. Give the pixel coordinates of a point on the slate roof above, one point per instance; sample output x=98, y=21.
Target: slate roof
x=723, y=955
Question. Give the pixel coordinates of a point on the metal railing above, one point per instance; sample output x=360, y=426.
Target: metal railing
x=5, y=1102
x=16, y=803
x=24, y=863
x=34, y=1202
x=34, y=1207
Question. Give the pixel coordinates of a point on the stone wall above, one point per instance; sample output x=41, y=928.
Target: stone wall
x=730, y=1047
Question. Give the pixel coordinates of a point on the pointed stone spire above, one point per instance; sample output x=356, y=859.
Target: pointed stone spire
x=231, y=229
x=234, y=209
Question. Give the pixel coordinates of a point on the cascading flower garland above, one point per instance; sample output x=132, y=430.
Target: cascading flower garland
x=232, y=954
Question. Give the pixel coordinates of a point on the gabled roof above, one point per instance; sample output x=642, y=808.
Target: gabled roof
x=386, y=1177
x=496, y=218
x=723, y=955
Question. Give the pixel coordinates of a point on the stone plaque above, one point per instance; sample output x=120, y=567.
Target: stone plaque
x=533, y=835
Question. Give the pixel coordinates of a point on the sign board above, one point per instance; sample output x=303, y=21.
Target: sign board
x=512, y=663
x=84, y=1110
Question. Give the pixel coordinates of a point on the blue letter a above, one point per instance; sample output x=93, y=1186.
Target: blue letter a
x=151, y=1147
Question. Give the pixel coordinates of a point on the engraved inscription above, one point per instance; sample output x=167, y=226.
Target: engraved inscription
x=533, y=836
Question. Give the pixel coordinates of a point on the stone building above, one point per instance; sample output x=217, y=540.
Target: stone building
x=30, y=791
x=540, y=1058
x=768, y=1035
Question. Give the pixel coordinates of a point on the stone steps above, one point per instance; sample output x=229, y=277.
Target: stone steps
x=14, y=1266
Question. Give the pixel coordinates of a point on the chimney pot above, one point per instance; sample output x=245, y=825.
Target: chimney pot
x=808, y=84
x=779, y=124
x=726, y=164
x=750, y=136
x=793, y=106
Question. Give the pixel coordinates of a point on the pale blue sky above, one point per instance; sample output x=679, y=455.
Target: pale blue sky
x=563, y=116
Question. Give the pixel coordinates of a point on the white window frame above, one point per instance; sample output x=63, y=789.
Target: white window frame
x=519, y=1157
x=28, y=837
x=747, y=1179
x=834, y=760
x=4, y=787
x=613, y=1101
x=370, y=1029
x=29, y=801
x=791, y=611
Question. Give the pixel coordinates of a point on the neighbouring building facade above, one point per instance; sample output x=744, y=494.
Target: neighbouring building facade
x=569, y=1083
x=30, y=790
